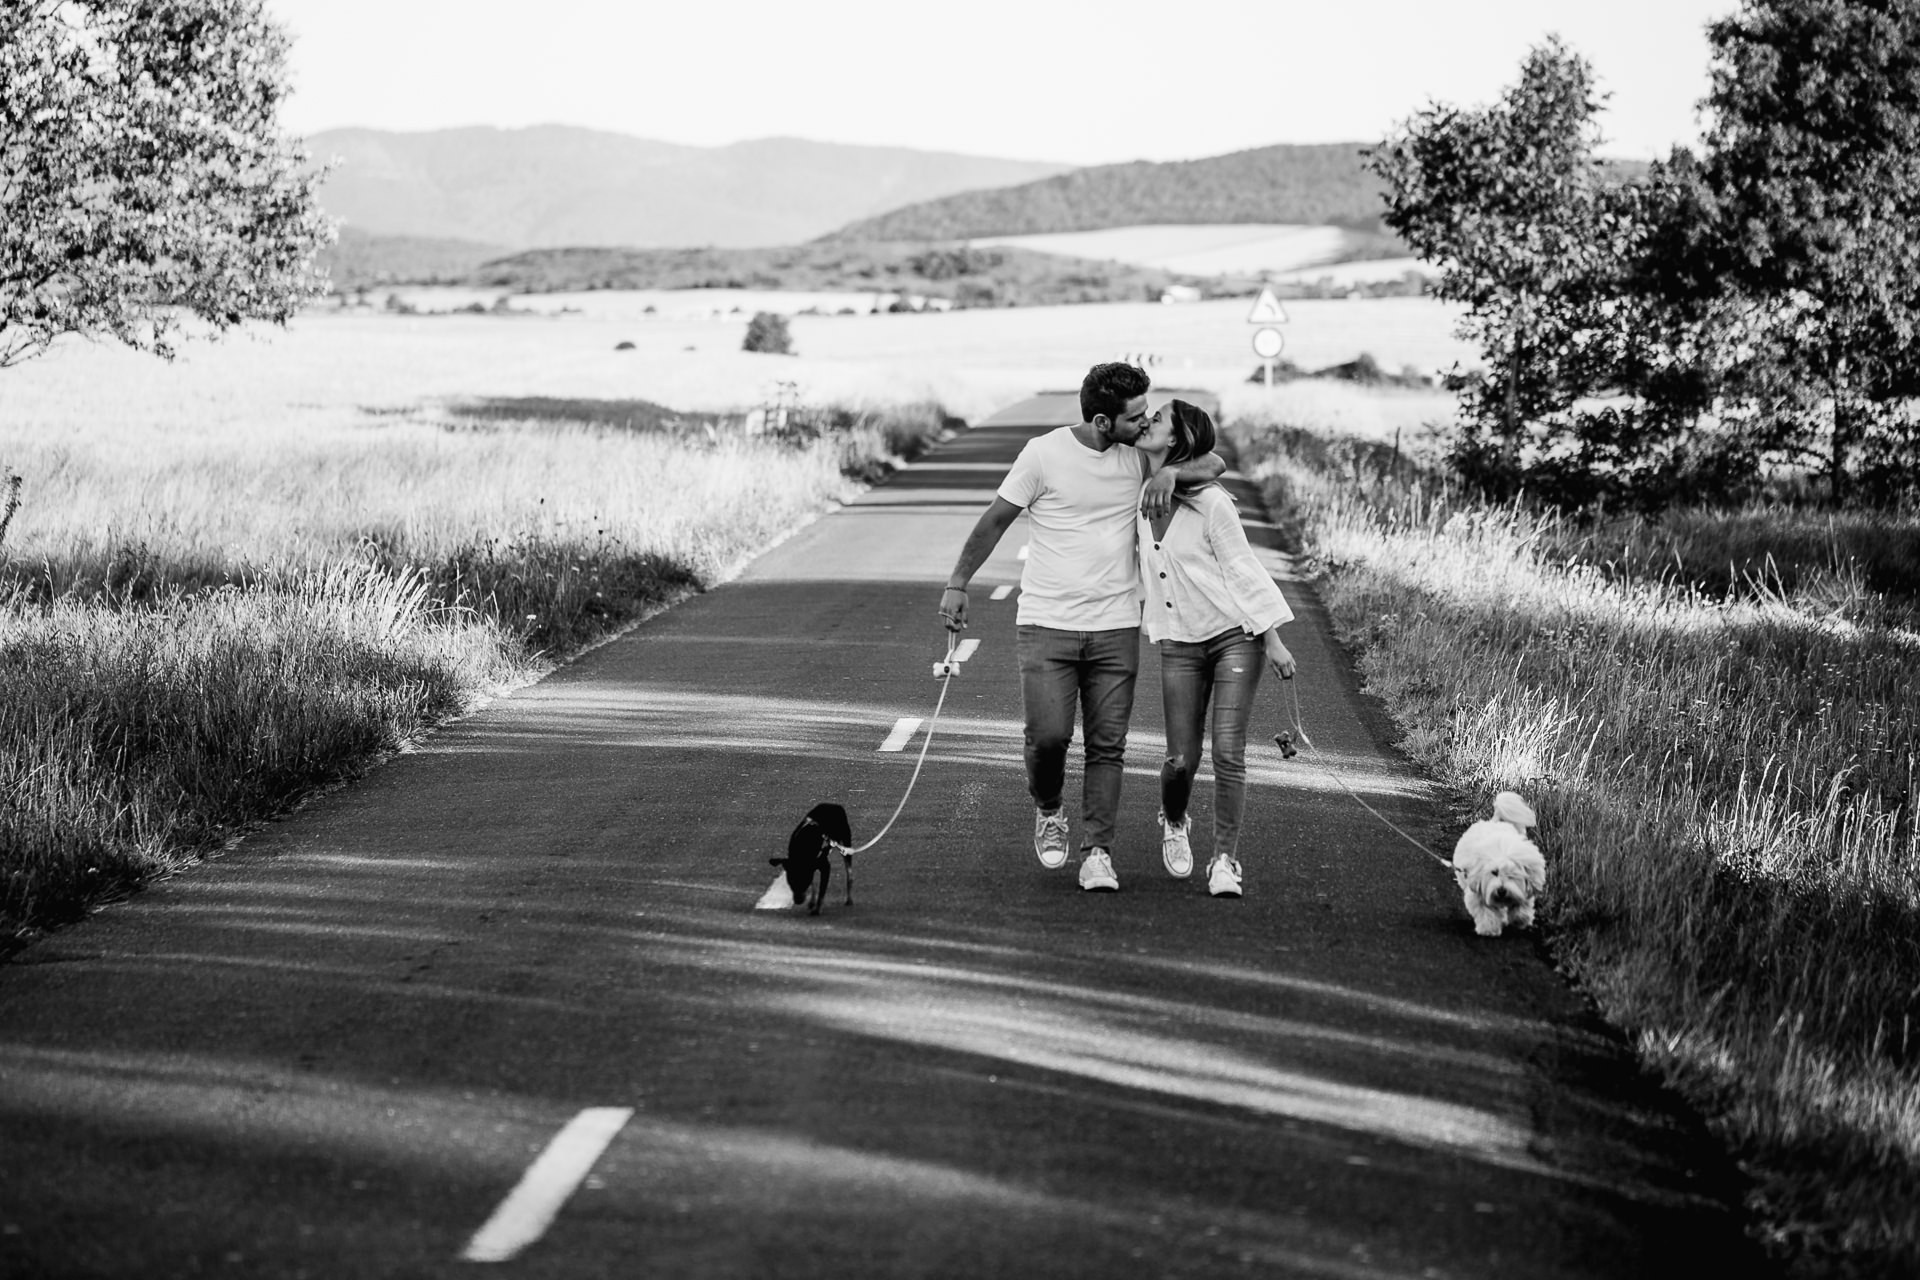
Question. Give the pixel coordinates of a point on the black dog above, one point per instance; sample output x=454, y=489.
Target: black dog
x=810, y=849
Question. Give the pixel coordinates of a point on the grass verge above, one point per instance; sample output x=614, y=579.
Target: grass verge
x=1722, y=757
x=290, y=611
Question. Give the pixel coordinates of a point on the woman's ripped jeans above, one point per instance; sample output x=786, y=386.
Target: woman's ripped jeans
x=1223, y=672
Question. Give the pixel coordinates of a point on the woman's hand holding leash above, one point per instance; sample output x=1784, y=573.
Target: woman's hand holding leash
x=953, y=608
x=1278, y=655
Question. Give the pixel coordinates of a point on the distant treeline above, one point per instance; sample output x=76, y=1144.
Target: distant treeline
x=998, y=277
x=361, y=260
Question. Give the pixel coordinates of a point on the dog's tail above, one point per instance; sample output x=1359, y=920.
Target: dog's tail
x=1509, y=807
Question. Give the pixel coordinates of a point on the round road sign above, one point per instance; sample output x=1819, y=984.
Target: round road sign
x=1268, y=343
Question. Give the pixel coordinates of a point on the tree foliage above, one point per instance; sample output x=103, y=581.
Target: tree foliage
x=1750, y=308
x=1812, y=170
x=768, y=334
x=143, y=179
x=1532, y=238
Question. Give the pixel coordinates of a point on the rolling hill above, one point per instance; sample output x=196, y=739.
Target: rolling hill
x=1321, y=185
x=557, y=185
x=361, y=260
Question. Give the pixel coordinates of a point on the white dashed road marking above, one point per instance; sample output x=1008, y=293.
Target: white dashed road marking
x=1023, y=552
x=964, y=650
x=529, y=1208
x=902, y=730
x=1002, y=591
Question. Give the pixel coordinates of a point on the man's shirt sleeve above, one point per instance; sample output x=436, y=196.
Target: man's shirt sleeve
x=1026, y=480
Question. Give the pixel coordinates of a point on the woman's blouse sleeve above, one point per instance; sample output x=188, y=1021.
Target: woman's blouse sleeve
x=1252, y=595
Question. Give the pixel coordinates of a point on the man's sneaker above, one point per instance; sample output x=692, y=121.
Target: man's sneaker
x=1223, y=877
x=1175, y=850
x=1096, y=871
x=1050, y=838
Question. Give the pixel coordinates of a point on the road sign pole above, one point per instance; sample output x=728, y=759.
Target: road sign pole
x=1267, y=341
x=1268, y=344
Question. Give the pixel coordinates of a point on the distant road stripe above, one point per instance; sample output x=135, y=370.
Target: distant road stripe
x=964, y=650
x=1023, y=552
x=529, y=1208
x=1002, y=591
x=902, y=730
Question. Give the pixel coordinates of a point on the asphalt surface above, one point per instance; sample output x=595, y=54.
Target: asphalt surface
x=336, y=1049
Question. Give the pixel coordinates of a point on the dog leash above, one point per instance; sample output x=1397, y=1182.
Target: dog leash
x=1300, y=729
x=948, y=669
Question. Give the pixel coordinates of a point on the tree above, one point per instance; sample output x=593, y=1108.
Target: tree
x=767, y=332
x=1813, y=165
x=1512, y=202
x=143, y=180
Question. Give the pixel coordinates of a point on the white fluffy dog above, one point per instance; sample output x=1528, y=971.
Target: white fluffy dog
x=1499, y=870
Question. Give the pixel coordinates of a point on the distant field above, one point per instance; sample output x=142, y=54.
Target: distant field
x=1205, y=342
x=1366, y=271
x=1204, y=250
x=328, y=367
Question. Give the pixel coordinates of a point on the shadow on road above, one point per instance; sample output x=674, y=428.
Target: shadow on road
x=332, y=1051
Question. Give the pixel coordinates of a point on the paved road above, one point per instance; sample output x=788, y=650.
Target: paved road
x=334, y=1051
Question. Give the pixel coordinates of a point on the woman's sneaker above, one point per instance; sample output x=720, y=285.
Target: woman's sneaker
x=1175, y=849
x=1096, y=872
x=1050, y=838
x=1223, y=877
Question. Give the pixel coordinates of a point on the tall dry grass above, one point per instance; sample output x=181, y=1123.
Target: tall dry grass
x=195, y=631
x=132, y=738
x=1726, y=785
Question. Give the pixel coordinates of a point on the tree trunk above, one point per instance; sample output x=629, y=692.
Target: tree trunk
x=1846, y=429
x=1511, y=452
x=1511, y=428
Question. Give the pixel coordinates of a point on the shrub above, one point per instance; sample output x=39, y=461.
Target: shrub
x=767, y=334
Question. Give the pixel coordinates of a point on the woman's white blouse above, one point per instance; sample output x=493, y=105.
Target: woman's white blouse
x=1202, y=577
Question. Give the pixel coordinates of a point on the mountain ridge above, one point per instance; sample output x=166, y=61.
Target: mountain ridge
x=548, y=186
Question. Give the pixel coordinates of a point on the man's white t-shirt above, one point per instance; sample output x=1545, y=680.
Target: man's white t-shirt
x=1082, y=572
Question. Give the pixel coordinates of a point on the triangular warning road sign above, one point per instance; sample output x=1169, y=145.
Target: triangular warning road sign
x=1266, y=309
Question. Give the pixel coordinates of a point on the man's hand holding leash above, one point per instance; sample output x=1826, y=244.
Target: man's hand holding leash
x=987, y=532
x=953, y=608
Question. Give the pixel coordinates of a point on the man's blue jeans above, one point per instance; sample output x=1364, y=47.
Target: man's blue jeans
x=1226, y=672
x=1096, y=671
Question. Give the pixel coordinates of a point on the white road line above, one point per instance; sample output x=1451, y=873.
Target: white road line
x=529, y=1208
x=902, y=730
x=964, y=650
x=1022, y=555
x=1002, y=591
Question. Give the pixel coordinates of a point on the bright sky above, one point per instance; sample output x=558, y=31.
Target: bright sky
x=1076, y=81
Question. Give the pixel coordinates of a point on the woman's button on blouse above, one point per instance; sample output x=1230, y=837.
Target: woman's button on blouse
x=1156, y=546
x=1163, y=573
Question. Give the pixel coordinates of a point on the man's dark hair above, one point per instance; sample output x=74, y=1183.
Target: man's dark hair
x=1107, y=388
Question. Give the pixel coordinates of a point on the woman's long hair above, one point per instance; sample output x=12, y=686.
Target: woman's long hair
x=1193, y=433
